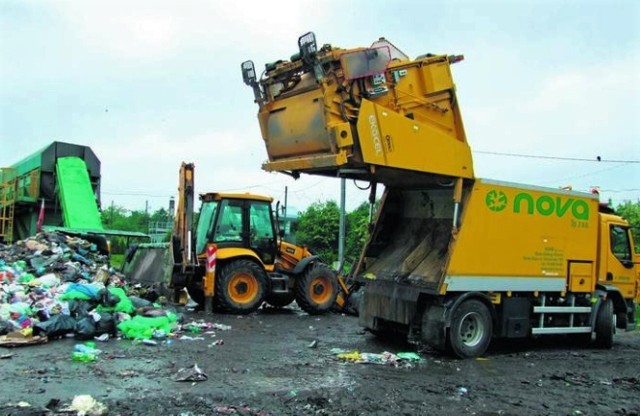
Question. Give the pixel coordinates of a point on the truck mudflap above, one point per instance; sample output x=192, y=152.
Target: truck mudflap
x=389, y=302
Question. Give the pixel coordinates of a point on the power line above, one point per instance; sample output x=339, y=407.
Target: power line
x=598, y=159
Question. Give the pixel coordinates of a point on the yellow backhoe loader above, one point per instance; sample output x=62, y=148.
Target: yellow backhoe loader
x=234, y=259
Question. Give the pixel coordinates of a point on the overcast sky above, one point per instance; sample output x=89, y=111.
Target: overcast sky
x=148, y=84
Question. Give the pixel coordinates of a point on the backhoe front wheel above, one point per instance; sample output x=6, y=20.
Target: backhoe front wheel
x=316, y=289
x=240, y=287
x=471, y=329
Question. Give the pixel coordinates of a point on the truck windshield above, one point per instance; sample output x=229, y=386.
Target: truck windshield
x=205, y=224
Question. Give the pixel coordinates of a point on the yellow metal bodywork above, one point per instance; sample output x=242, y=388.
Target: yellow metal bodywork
x=290, y=254
x=610, y=270
x=516, y=232
x=409, y=120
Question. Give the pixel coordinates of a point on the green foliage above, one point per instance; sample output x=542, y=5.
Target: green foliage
x=357, y=232
x=631, y=212
x=118, y=218
x=318, y=229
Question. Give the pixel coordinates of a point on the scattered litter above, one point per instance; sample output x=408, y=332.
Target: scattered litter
x=85, y=353
x=236, y=410
x=102, y=338
x=85, y=405
x=149, y=342
x=313, y=344
x=461, y=391
x=385, y=358
x=190, y=374
x=188, y=338
x=217, y=342
x=409, y=356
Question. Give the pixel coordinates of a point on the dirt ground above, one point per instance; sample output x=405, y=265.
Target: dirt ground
x=266, y=365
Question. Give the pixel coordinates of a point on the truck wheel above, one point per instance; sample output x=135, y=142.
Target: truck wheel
x=240, y=287
x=604, y=325
x=471, y=329
x=316, y=289
x=280, y=300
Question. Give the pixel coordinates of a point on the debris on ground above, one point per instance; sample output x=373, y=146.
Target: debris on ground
x=190, y=374
x=85, y=405
x=386, y=358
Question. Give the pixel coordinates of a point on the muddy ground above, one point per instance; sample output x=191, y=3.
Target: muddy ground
x=265, y=366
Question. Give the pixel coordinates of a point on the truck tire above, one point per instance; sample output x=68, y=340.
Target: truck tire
x=316, y=289
x=240, y=287
x=471, y=329
x=280, y=300
x=604, y=325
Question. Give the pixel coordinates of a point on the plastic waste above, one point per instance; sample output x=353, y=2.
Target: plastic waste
x=86, y=352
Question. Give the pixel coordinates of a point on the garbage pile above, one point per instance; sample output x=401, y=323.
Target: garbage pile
x=54, y=285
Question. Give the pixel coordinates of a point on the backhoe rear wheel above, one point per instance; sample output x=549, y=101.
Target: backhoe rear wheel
x=316, y=289
x=604, y=325
x=471, y=329
x=240, y=287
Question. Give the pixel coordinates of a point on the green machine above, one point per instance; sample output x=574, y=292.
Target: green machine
x=61, y=181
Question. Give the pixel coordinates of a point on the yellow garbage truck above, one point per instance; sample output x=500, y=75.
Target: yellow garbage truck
x=452, y=260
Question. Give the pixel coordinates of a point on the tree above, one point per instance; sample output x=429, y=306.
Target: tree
x=357, y=232
x=631, y=212
x=318, y=229
x=319, y=226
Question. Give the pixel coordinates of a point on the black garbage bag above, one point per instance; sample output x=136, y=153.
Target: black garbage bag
x=5, y=327
x=85, y=328
x=106, y=298
x=56, y=326
x=79, y=308
x=106, y=324
x=139, y=302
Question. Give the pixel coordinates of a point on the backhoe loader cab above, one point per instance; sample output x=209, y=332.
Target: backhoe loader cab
x=237, y=221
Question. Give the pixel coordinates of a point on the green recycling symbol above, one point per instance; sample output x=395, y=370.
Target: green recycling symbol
x=496, y=200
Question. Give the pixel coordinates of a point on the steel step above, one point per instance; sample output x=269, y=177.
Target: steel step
x=562, y=309
x=561, y=330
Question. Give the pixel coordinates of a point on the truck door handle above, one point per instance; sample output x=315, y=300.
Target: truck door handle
x=609, y=276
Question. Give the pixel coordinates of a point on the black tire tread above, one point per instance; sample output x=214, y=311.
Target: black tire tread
x=454, y=345
x=302, y=283
x=223, y=303
x=604, y=325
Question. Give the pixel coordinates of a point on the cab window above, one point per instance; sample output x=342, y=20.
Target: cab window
x=620, y=244
x=261, y=231
x=205, y=224
x=229, y=226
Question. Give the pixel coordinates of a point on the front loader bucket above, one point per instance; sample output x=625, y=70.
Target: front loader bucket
x=149, y=265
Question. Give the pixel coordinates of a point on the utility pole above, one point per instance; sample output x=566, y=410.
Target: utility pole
x=284, y=209
x=342, y=231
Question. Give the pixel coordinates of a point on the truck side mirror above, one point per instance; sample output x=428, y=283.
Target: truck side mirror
x=308, y=47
